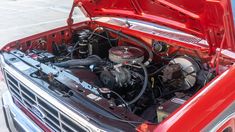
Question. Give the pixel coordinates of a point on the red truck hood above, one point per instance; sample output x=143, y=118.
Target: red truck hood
x=208, y=19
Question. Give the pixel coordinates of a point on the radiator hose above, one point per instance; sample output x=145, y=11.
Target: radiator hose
x=91, y=60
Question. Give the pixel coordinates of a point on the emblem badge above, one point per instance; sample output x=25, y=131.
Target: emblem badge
x=38, y=112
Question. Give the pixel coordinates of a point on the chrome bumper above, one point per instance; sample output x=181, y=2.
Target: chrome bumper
x=15, y=118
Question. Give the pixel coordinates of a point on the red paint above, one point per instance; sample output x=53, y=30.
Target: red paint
x=203, y=107
x=198, y=112
x=207, y=19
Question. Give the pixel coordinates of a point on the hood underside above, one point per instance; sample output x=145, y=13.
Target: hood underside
x=208, y=19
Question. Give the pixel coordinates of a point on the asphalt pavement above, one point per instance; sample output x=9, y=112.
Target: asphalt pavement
x=22, y=18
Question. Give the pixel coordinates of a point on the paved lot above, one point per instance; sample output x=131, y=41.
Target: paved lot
x=21, y=18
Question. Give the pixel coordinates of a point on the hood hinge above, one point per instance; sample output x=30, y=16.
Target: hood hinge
x=70, y=18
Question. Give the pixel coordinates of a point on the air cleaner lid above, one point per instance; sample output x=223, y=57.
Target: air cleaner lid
x=122, y=54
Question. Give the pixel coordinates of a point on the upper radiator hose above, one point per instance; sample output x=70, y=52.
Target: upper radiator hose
x=91, y=60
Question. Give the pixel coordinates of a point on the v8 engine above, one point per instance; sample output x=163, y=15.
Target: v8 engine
x=123, y=70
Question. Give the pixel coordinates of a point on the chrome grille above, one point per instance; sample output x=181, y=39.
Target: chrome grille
x=54, y=118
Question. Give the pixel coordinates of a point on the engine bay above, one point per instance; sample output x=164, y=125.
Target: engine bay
x=129, y=74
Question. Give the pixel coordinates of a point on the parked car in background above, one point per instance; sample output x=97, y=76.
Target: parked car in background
x=134, y=65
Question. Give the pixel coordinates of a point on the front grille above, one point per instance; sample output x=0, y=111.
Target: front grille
x=53, y=118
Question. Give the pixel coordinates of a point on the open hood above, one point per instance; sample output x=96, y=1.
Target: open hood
x=208, y=19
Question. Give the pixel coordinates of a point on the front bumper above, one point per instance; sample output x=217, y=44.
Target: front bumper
x=16, y=120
